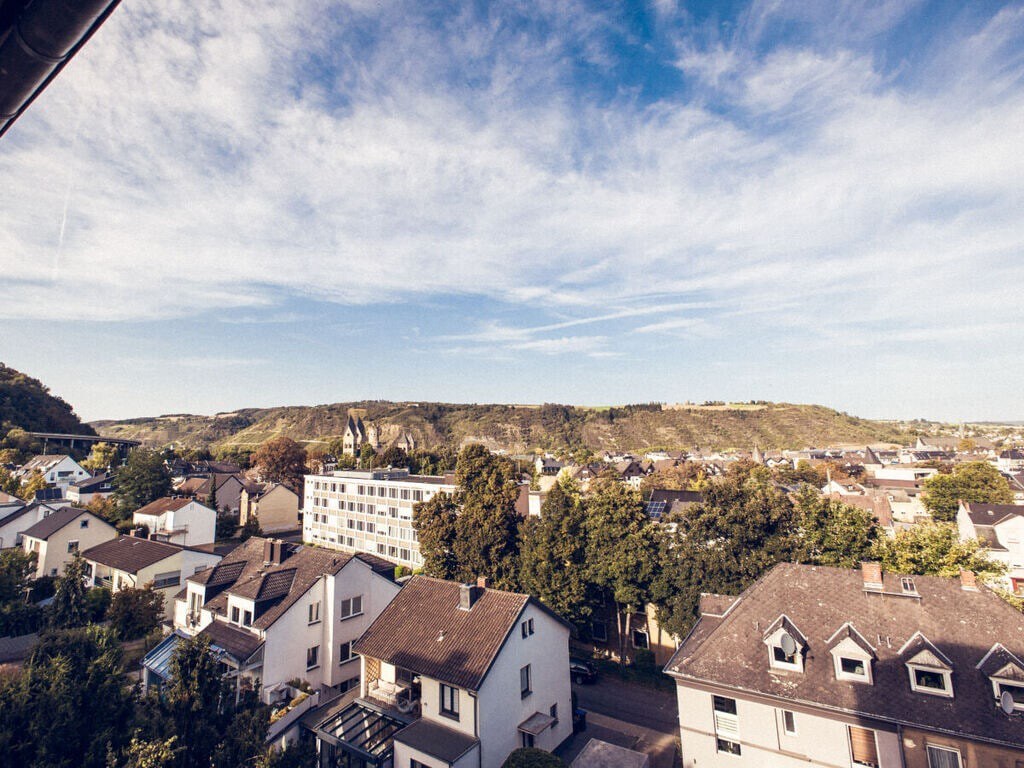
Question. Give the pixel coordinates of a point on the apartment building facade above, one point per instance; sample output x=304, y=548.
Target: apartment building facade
x=368, y=511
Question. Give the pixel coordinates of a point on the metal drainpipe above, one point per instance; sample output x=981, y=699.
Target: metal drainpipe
x=39, y=44
x=476, y=729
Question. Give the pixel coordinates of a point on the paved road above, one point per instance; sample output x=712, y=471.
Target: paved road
x=630, y=702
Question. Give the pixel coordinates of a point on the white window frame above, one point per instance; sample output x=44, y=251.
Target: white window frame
x=315, y=652
x=997, y=688
x=352, y=612
x=788, y=714
x=842, y=674
x=942, y=748
x=314, y=613
x=352, y=655
x=947, y=692
x=727, y=727
x=647, y=636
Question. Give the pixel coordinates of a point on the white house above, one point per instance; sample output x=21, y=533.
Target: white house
x=57, y=537
x=16, y=517
x=130, y=561
x=1011, y=460
x=178, y=520
x=59, y=470
x=84, y=491
x=817, y=666
x=1001, y=528
x=293, y=611
x=455, y=675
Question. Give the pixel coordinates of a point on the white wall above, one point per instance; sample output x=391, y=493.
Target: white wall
x=819, y=741
x=53, y=553
x=502, y=709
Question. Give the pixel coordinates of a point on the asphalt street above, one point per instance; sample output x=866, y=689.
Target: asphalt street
x=630, y=702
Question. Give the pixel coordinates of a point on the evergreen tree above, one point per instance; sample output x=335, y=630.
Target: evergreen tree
x=211, y=496
x=143, y=478
x=70, y=607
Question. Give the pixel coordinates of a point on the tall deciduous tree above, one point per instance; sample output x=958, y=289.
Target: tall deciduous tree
x=744, y=526
x=70, y=607
x=830, y=532
x=134, y=613
x=143, y=478
x=281, y=460
x=973, y=481
x=101, y=458
x=934, y=549
x=486, y=542
x=434, y=521
x=553, y=556
x=621, y=546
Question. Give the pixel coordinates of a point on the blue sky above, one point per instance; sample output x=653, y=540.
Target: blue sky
x=224, y=206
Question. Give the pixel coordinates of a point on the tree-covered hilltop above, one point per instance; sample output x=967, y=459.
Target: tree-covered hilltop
x=521, y=428
x=26, y=403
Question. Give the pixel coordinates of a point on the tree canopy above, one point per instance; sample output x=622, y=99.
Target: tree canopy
x=281, y=460
x=934, y=549
x=972, y=481
x=143, y=478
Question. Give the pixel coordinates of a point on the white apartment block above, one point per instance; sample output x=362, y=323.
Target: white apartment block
x=368, y=511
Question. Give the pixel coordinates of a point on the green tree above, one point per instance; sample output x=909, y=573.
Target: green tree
x=744, y=526
x=70, y=607
x=393, y=457
x=194, y=701
x=227, y=524
x=134, y=613
x=435, y=524
x=530, y=757
x=934, y=549
x=830, y=532
x=211, y=496
x=245, y=738
x=299, y=755
x=281, y=460
x=158, y=753
x=9, y=484
x=251, y=528
x=101, y=458
x=16, y=569
x=143, y=478
x=35, y=482
x=486, y=541
x=70, y=705
x=975, y=481
x=621, y=550
x=367, y=456
x=553, y=556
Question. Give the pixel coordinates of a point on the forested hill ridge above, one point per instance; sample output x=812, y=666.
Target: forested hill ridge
x=521, y=428
x=26, y=403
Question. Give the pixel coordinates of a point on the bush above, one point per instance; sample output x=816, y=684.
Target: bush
x=42, y=588
x=20, y=619
x=528, y=757
x=97, y=601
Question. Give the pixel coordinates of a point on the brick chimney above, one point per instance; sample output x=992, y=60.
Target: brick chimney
x=872, y=575
x=483, y=582
x=968, y=581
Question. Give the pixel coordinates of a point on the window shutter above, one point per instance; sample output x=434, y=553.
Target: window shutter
x=862, y=745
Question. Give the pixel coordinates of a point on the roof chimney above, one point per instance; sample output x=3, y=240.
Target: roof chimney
x=468, y=595
x=968, y=581
x=872, y=575
x=483, y=582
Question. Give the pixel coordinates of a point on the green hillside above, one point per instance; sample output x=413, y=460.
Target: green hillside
x=520, y=428
x=26, y=403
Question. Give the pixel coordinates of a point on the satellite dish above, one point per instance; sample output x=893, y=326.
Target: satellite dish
x=788, y=644
x=1006, y=702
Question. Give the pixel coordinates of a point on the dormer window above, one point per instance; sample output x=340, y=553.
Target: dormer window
x=786, y=645
x=930, y=669
x=852, y=655
x=933, y=681
x=1013, y=687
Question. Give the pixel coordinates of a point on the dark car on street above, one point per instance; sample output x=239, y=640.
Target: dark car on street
x=582, y=671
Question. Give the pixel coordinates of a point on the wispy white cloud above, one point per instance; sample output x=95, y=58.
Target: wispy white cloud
x=226, y=158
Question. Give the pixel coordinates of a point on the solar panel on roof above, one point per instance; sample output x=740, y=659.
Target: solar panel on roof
x=655, y=509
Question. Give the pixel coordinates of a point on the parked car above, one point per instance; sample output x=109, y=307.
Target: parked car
x=582, y=671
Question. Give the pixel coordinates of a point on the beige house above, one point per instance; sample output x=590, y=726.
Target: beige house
x=276, y=508
x=129, y=561
x=57, y=537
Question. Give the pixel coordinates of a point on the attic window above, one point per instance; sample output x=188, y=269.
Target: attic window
x=1015, y=689
x=934, y=681
x=854, y=668
x=908, y=586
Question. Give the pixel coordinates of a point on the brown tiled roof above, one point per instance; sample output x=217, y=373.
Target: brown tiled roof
x=54, y=521
x=130, y=553
x=961, y=625
x=424, y=630
x=166, y=504
x=239, y=643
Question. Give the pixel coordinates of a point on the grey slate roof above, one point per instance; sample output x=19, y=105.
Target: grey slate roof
x=437, y=740
x=982, y=513
x=130, y=553
x=963, y=626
